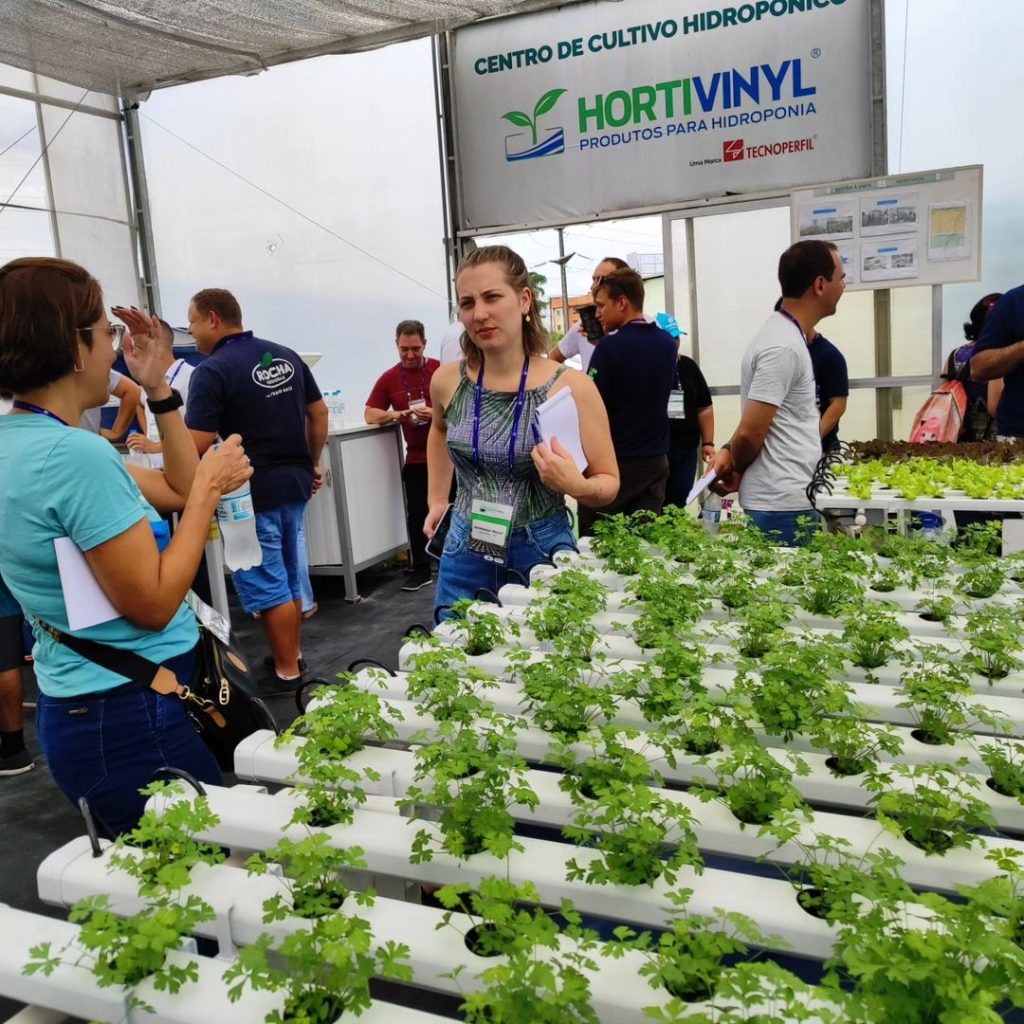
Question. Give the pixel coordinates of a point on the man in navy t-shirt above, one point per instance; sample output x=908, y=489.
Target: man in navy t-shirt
x=1000, y=353
x=832, y=384
x=634, y=368
x=266, y=393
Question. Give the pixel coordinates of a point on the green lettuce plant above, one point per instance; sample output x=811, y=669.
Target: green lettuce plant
x=323, y=969
x=688, y=959
x=935, y=806
x=311, y=877
x=470, y=777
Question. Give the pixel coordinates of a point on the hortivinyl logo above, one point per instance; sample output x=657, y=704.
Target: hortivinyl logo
x=546, y=142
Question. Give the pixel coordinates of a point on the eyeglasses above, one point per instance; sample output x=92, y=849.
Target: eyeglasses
x=114, y=331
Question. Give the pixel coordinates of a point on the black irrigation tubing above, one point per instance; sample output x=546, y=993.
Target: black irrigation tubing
x=483, y=594
x=524, y=579
x=90, y=826
x=178, y=773
x=437, y=612
x=370, y=661
x=269, y=720
x=308, y=685
x=417, y=627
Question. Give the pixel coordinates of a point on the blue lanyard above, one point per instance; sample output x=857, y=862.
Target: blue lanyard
x=796, y=323
x=38, y=410
x=423, y=380
x=516, y=416
x=177, y=370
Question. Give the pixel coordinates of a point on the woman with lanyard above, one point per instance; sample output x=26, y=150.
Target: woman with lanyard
x=509, y=512
x=63, y=489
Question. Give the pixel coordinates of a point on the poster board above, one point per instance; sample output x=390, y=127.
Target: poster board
x=918, y=229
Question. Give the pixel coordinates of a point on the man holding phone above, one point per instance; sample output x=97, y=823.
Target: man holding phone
x=402, y=395
x=579, y=340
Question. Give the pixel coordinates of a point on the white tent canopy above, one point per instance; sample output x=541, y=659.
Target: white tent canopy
x=110, y=46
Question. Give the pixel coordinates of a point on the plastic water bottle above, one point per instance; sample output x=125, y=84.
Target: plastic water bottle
x=335, y=410
x=237, y=523
x=711, y=516
x=931, y=526
x=137, y=457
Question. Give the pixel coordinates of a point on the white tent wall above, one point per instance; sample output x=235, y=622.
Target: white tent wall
x=74, y=200
x=336, y=232
x=89, y=190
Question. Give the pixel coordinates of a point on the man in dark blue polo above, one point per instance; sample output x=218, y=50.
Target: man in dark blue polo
x=267, y=394
x=634, y=368
x=999, y=352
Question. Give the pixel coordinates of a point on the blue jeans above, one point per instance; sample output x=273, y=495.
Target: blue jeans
x=107, y=746
x=463, y=572
x=278, y=580
x=682, y=474
x=783, y=528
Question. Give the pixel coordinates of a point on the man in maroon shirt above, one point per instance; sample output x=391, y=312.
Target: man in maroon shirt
x=402, y=395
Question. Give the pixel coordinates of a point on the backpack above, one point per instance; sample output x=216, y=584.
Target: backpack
x=941, y=418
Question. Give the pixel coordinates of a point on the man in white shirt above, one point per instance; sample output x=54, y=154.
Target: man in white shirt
x=177, y=373
x=129, y=396
x=576, y=341
x=772, y=455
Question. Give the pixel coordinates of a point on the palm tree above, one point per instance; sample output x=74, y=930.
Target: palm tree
x=537, y=283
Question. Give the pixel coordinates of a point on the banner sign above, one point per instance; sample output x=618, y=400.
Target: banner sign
x=601, y=107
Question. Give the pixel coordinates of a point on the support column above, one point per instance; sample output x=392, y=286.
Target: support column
x=142, y=224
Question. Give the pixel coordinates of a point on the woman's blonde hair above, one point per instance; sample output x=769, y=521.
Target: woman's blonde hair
x=535, y=338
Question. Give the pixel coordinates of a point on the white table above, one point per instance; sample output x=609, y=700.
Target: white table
x=358, y=517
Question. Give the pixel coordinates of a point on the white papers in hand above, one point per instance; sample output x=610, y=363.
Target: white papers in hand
x=701, y=485
x=84, y=600
x=558, y=417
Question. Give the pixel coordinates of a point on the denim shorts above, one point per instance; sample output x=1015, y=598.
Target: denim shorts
x=279, y=579
x=463, y=572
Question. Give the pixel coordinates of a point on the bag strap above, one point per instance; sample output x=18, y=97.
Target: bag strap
x=148, y=674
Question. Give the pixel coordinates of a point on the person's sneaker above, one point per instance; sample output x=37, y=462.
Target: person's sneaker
x=16, y=764
x=418, y=580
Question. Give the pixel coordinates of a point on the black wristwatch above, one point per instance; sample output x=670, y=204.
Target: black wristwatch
x=169, y=404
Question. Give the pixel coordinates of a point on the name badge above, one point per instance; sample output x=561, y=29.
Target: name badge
x=676, y=405
x=490, y=524
x=419, y=405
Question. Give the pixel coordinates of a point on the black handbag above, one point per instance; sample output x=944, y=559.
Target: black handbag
x=215, y=699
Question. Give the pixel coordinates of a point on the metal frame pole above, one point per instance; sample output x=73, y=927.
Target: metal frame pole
x=879, y=167
x=141, y=220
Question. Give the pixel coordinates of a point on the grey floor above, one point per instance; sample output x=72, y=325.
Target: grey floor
x=36, y=819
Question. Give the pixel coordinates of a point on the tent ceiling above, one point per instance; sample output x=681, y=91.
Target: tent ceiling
x=110, y=46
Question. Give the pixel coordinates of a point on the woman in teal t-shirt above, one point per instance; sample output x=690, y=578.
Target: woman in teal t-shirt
x=102, y=734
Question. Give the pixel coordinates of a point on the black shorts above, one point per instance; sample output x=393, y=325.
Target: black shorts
x=12, y=645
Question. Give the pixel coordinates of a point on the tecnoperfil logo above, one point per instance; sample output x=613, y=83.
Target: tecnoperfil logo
x=272, y=373
x=537, y=143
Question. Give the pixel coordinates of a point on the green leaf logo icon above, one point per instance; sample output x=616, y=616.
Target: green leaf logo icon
x=546, y=102
x=266, y=360
x=543, y=106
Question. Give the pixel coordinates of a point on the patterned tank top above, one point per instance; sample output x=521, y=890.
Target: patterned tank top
x=491, y=480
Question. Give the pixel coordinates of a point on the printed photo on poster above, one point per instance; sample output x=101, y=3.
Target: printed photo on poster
x=888, y=214
x=948, y=231
x=828, y=220
x=891, y=260
x=848, y=254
